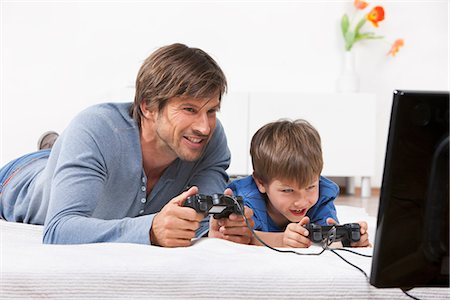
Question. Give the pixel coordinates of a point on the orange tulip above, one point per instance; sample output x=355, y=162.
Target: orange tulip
x=353, y=29
x=395, y=47
x=360, y=4
x=375, y=15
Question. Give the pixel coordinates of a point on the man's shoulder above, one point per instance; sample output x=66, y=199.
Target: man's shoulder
x=113, y=114
x=108, y=108
x=108, y=125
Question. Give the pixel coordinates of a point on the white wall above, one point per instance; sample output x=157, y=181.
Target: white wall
x=60, y=57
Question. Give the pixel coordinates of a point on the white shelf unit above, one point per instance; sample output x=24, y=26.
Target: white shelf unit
x=345, y=121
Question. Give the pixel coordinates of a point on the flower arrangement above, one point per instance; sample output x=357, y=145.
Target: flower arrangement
x=354, y=34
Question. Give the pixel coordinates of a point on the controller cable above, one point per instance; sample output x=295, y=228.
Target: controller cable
x=331, y=235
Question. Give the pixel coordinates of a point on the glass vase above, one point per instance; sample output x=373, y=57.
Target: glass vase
x=348, y=81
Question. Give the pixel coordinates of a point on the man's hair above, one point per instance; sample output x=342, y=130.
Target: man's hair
x=287, y=150
x=173, y=71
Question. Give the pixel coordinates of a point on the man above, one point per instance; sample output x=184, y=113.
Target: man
x=120, y=172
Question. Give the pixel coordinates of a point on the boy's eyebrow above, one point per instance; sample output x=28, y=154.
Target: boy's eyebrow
x=284, y=185
x=313, y=183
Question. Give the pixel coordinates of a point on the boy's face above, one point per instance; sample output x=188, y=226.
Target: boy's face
x=287, y=202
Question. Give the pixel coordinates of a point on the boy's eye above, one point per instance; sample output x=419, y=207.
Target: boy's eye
x=311, y=187
x=287, y=190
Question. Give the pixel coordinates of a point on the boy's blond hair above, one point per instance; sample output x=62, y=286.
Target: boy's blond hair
x=287, y=150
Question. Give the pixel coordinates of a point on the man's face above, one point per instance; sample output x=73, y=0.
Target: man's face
x=186, y=125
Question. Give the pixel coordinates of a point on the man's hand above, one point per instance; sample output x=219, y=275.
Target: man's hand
x=234, y=227
x=296, y=236
x=174, y=225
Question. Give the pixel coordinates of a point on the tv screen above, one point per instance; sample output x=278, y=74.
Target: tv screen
x=411, y=247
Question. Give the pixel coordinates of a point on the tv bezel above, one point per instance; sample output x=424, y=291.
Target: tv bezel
x=416, y=268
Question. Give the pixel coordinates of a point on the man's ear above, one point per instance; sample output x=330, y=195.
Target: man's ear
x=145, y=111
x=259, y=183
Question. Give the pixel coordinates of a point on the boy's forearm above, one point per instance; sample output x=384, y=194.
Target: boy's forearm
x=273, y=239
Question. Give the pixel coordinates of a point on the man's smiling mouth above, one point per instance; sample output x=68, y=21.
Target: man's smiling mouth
x=194, y=140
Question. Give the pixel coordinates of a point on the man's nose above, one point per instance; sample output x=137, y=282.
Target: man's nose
x=201, y=124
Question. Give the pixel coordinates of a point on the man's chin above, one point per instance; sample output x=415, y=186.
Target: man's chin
x=190, y=157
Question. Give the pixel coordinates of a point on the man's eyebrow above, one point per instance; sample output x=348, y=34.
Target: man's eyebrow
x=217, y=106
x=194, y=101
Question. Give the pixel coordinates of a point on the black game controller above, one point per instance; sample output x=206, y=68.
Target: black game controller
x=218, y=205
x=346, y=233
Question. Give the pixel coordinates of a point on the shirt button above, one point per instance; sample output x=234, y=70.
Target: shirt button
x=143, y=200
x=143, y=188
x=143, y=179
x=141, y=211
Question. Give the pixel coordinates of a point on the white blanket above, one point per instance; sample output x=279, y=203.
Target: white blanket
x=211, y=268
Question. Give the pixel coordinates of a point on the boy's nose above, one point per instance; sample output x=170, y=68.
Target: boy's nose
x=299, y=202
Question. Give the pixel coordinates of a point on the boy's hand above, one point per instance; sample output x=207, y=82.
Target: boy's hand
x=296, y=236
x=364, y=239
x=331, y=221
x=234, y=227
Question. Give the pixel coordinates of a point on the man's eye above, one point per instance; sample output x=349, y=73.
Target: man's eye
x=189, y=109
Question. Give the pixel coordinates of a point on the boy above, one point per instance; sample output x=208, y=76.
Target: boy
x=286, y=190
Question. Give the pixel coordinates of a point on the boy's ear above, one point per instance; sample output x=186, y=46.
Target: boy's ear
x=259, y=183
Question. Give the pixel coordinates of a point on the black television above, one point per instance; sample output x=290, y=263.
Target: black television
x=411, y=246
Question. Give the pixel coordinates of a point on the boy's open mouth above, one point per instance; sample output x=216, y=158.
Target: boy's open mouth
x=298, y=212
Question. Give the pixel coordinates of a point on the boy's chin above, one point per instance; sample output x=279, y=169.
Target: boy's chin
x=295, y=219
